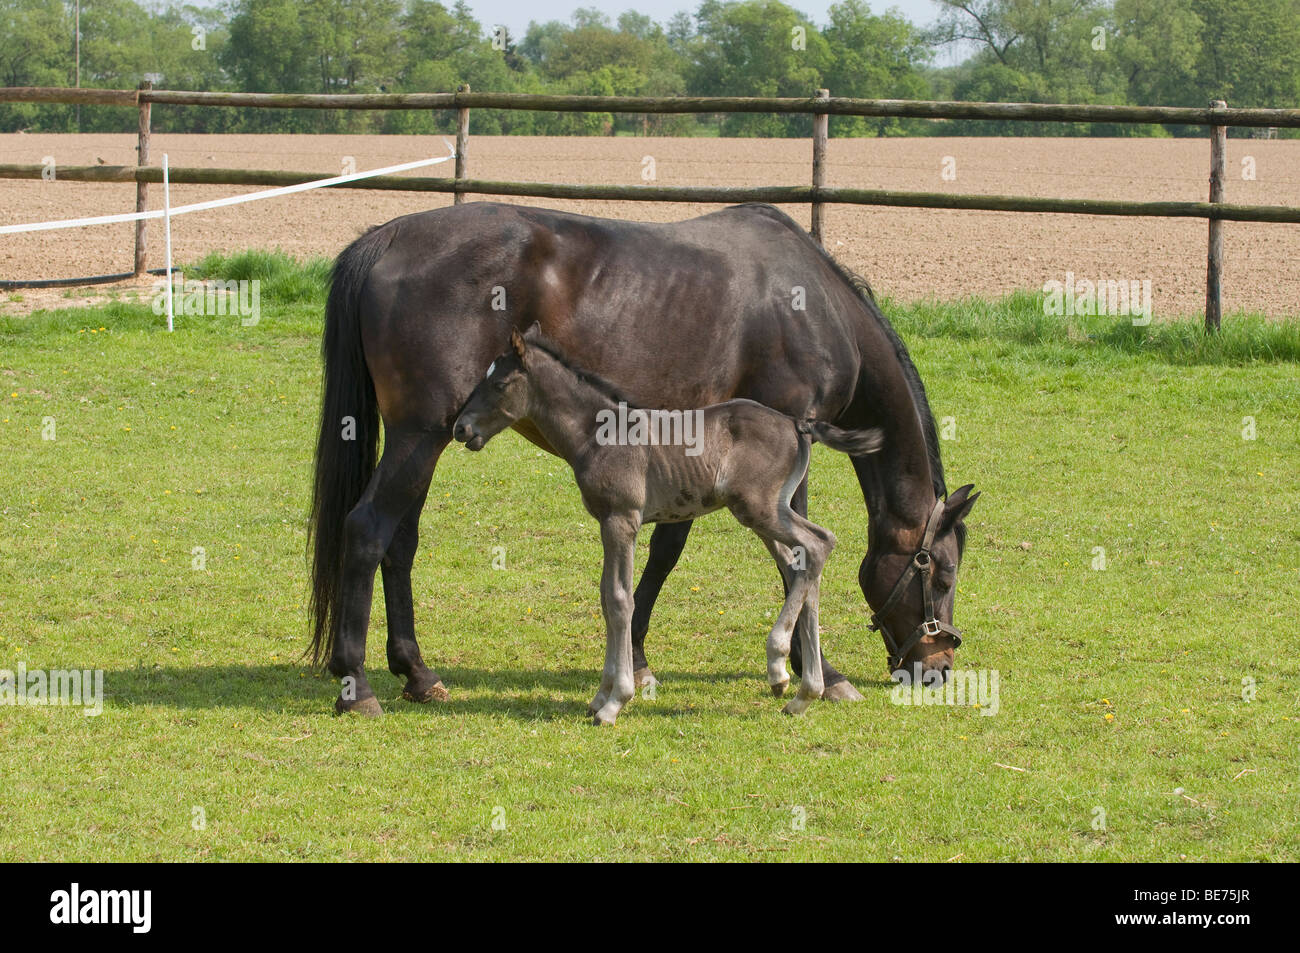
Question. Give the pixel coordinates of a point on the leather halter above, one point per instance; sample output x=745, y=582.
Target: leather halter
x=930, y=625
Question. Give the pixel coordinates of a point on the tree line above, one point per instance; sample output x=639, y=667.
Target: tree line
x=1138, y=52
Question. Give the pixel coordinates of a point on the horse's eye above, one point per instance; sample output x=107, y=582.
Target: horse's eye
x=499, y=384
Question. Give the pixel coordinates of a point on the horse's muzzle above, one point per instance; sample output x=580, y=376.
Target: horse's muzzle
x=464, y=433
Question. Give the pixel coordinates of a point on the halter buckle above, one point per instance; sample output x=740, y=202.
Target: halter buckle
x=932, y=627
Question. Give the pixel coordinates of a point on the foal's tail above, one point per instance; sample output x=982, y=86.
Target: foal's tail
x=855, y=443
x=349, y=433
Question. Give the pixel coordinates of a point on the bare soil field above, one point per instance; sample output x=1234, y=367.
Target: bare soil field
x=908, y=254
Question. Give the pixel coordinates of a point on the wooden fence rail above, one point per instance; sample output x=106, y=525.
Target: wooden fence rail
x=832, y=105
x=773, y=194
x=1217, y=116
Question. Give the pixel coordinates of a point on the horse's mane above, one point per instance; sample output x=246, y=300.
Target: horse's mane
x=590, y=378
x=863, y=290
x=910, y=374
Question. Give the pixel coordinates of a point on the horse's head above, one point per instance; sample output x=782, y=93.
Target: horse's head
x=501, y=397
x=909, y=577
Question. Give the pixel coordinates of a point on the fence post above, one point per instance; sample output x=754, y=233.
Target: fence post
x=142, y=188
x=462, y=144
x=1214, y=265
x=821, y=131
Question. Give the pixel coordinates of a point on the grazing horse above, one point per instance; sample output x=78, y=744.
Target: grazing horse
x=668, y=466
x=737, y=303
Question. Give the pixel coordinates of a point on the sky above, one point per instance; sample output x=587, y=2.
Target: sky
x=516, y=13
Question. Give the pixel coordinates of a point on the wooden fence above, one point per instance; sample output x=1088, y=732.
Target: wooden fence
x=1217, y=117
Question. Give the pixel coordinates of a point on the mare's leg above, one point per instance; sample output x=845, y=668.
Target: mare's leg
x=665, y=549
x=838, y=687
x=400, y=479
x=618, y=535
x=404, y=659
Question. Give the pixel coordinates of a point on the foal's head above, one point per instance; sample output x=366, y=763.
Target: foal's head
x=500, y=399
x=909, y=578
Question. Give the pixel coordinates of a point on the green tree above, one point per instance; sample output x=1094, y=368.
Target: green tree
x=1251, y=56
x=35, y=50
x=759, y=48
x=1031, y=50
x=872, y=57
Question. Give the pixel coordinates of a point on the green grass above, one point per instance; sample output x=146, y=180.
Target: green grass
x=1089, y=435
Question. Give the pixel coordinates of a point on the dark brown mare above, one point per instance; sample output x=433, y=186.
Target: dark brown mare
x=738, y=303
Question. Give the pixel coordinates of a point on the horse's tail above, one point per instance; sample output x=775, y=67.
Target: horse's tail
x=349, y=434
x=855, y=443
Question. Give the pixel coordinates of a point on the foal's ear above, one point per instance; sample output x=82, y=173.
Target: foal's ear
x=958, y=504
x=517, y=343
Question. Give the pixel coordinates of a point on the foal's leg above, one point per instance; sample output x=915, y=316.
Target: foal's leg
x=838, y=688
x=618, y=535
x=778, y=640
x=817, y=544
x=665, y=549
x=400, y=479
x=404, y=659
x=810, y=685
x=800, y=550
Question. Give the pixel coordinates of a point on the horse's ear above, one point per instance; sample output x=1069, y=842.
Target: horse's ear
x=517, y=343
x=958, y=504
x=534, y=331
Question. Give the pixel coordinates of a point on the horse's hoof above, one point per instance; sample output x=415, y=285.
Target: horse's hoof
x=842, y=692
x=437, y=692
x=779, y=688
x=367, y=707
x=643, y=677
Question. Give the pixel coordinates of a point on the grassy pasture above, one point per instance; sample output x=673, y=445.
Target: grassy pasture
x=1125, y=690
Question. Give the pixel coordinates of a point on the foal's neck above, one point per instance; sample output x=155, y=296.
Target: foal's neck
x=562, y=406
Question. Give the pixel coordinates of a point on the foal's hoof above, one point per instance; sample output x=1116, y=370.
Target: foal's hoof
x=643, y=677
x=796, y=706
x=842, y=692
x=436, y=692
x=779, y=688
x=368, y=707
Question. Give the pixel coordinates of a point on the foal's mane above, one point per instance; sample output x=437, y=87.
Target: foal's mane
x=590, y=378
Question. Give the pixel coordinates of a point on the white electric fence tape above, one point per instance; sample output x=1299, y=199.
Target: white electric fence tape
x=220, y=203
x=167, y=212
